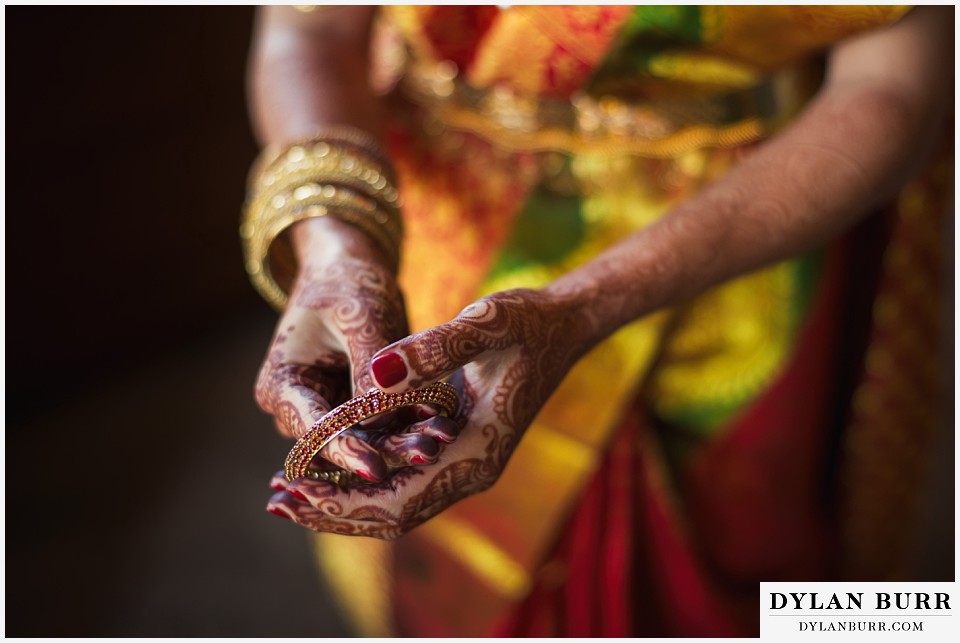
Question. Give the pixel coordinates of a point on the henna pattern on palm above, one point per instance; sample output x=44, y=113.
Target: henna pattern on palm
x=509, y=352
x=339, y=316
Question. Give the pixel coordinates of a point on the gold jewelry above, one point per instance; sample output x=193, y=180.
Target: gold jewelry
x=338, y=135
x=356, y=138
x=257, y=246
x=350, y=413
x=322, y=161
x=345, y=175
x=344, y=211
x=329, y=178
x=317, y=175
x=663, y=127
x=338, y=477
x=269, y=216
x=327, y=194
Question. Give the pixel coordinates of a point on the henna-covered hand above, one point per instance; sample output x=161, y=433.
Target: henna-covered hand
x=507, y=353
x=345, y=306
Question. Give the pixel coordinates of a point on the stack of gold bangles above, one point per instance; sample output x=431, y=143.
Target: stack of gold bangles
x=342, y=173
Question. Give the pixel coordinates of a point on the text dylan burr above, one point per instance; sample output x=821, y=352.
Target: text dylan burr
x=854, y=600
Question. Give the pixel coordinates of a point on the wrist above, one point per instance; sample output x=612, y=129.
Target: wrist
x=574, y=302
x=320, y=241
x=602, y=296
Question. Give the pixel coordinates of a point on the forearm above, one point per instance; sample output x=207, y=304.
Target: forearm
x=852, y=148
x=308, y=70
x=796, y=193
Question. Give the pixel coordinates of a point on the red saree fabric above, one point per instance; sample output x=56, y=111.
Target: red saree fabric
x=647, y=554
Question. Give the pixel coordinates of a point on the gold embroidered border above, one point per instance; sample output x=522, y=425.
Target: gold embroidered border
x=662, y=129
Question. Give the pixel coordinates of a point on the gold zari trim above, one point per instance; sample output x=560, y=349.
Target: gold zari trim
x=660, y=128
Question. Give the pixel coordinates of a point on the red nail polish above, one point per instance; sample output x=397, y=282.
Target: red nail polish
x=277, y=486
x=277, y=511
x=363, y=473
x=442, y=438
x=388, y=369
x=296, y=493
x=424, y=414
x=418, y=459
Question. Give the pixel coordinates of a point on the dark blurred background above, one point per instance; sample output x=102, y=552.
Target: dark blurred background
x=136, y=461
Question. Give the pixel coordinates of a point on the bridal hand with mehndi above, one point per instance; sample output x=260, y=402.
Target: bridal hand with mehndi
x=506, y=353
x=344, y=307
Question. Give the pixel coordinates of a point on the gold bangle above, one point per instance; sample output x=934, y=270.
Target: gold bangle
x=336, y=135
x=265, y=208
x=320, y=149
x=358, y=409
x=389, y=201
x=257, y=243
x=346, y=176
x=354, y=137
x=386, y=232
x=304, y=163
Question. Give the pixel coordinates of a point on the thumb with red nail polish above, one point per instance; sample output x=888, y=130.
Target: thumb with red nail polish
x=430, y=355
x=389, y=370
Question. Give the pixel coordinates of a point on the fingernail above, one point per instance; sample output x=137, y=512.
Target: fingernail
x=366, y=475
x=424, y=414
x=388, y=369
x=277, y=511
x=296, y=493
x=276, y=485
x=419, y=459
x=442, y=438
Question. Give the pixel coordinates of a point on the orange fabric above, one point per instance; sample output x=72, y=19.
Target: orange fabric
x=459, y=202
x=546, y=51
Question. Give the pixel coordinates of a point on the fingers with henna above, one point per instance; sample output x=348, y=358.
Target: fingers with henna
x=417, y=413
x=349, y=452
x=369, y=452
x=293, y=504
x=442, y=429
x=430, y=355
x=293, y=393
x=402, y=449
x=381, y=421
x=282, y=504
x=321, y=507
x=279, y=481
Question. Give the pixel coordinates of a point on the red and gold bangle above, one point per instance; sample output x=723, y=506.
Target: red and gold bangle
x=358, y=409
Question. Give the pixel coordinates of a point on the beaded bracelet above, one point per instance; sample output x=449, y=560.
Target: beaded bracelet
x=358, y=409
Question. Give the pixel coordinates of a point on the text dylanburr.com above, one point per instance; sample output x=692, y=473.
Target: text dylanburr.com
x=864, y=611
